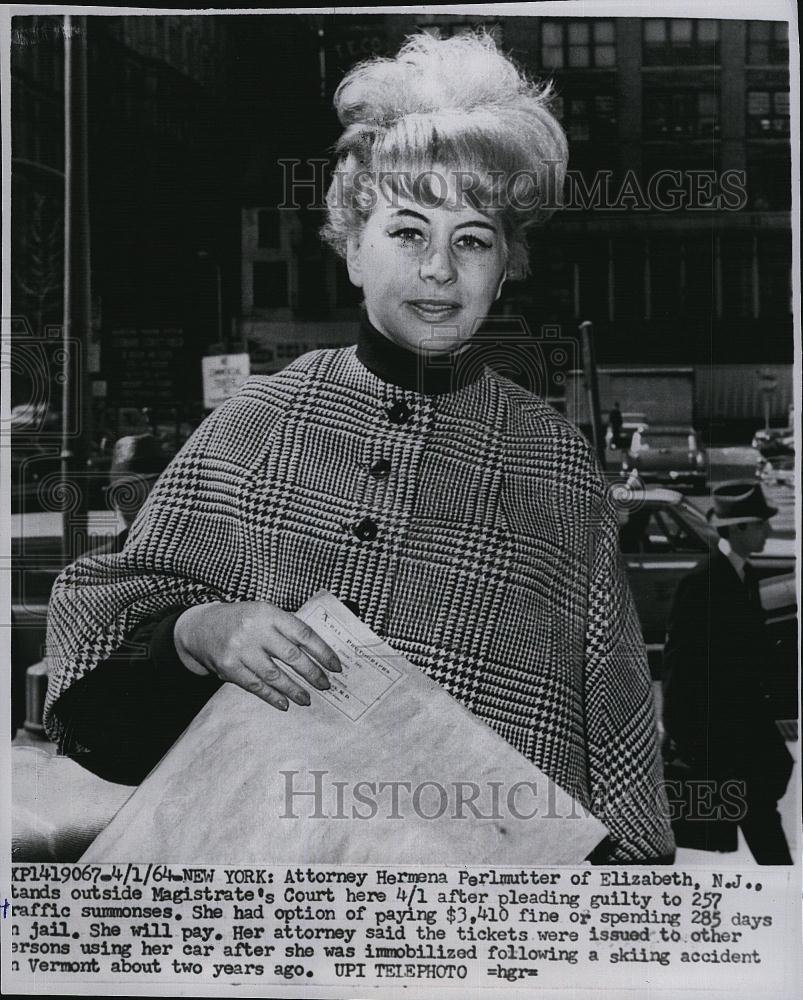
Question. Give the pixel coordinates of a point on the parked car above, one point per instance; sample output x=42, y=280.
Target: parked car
x=775, y=463
x=774, y=442
x=779, y=471
x=665, y=538
x=666, y=456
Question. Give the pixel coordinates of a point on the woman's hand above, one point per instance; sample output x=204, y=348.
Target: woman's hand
x=238, y=642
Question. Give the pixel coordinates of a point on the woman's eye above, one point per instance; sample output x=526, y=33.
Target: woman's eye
x=408, y=236
x=471, y=242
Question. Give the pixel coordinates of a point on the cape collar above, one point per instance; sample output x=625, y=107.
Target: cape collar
x=433, y=374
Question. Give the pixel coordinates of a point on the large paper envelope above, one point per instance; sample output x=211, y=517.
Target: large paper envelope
x=384, y=768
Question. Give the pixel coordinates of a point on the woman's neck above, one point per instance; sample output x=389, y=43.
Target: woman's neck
x=429, y=374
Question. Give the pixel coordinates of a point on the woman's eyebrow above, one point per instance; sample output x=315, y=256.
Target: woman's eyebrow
x=473, y=223
x=477, y=223
x=409, y=211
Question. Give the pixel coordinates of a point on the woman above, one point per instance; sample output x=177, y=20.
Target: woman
x=462, y=518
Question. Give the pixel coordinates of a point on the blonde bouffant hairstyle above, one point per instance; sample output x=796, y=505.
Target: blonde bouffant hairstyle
x=454, y=104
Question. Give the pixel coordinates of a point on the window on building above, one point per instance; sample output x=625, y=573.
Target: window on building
x=680, y=41
x=767, y=43
x=587, y=117
x=767, y=113
x=270, y=284
x=589, y=43
x=681, y=114
x=268, y=229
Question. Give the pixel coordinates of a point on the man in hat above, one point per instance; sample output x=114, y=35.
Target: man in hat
x=716, y=709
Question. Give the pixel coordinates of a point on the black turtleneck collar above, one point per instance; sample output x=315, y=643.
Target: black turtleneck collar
x=433, y=374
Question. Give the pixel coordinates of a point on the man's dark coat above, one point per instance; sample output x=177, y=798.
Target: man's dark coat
x=716, y=707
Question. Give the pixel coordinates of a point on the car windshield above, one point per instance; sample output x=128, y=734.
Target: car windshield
x=673, y=441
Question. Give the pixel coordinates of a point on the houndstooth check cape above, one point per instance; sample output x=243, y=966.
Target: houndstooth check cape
x=494, y=569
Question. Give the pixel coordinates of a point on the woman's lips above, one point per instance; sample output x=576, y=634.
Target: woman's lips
x=434, y=311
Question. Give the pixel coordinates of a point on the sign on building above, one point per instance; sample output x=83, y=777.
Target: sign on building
x=145, y=366
x=223, y=374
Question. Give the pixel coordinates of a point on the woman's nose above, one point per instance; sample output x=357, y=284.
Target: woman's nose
x=439, y=266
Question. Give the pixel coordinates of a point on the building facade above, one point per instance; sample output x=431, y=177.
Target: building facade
x=159, y=215
x=675, y=240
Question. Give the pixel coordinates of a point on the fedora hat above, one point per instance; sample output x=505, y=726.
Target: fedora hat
x=739, y=503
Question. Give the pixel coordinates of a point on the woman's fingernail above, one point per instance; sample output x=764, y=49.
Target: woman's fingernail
x=303, y=698
x=323, y=684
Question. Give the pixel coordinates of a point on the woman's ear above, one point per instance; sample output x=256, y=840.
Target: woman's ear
x=354, y=261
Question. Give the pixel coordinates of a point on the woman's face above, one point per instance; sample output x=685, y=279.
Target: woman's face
x=428, y=274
